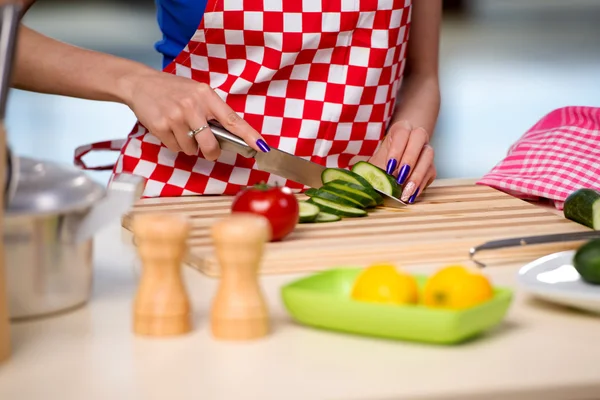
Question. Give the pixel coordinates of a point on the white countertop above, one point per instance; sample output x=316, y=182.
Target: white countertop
x=540, y=351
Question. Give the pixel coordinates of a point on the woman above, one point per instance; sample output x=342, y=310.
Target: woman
x=333, y=81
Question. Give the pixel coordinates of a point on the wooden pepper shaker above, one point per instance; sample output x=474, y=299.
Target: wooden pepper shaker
x=161, y=306
x=239, y=311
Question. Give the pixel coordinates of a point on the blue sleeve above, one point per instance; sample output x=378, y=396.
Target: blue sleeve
x=178, y=21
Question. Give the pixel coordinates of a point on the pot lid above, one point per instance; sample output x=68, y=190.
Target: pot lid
x=45, y=187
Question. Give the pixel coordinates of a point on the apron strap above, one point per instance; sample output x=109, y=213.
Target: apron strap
x=109, y=145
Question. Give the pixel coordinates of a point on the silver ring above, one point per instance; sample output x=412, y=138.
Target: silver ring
x=197, y=131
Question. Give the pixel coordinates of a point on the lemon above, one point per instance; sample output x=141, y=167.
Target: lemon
x=456, y=287
x=383, y=283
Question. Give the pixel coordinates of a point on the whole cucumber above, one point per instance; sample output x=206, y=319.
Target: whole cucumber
x=587, y=261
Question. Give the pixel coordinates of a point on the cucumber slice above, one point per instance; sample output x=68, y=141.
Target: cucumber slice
x=583, y=206
x=357, y=190
x=326, y=217
x=377, y=177
x=337, y=209
x=342, y=200
x=332, y=174
x=361, y=201
x=308, y=211
x=310, y=192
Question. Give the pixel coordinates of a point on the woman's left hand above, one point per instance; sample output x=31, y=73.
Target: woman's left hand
x=406, y=154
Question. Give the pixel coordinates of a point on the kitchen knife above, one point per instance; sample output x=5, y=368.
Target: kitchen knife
x=282, y=164
x=523, y=241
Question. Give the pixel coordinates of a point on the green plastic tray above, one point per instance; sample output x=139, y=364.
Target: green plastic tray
x=322, y=300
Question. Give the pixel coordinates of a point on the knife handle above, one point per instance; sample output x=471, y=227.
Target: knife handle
x=230, y=142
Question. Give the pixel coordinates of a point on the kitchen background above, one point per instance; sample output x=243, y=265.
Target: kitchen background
x=504, y=64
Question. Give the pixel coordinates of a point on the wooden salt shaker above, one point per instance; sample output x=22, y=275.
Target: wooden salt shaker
x=239, y=311
x=161, y=306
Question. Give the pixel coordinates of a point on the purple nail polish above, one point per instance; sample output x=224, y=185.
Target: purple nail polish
x=263, y=146
x=391, y=166
x=413, y=197
x=403, y=174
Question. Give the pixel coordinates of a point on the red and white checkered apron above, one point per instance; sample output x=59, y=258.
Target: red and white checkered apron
x=558, y=155
x=317, y=78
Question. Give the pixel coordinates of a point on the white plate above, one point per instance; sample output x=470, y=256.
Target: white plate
x=554, y=278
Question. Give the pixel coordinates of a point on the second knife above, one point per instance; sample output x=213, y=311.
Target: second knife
x=529, y=240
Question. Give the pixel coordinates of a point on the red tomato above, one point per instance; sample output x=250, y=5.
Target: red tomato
x=277, y=204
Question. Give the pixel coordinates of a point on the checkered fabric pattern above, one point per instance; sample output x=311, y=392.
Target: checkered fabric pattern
x=109, y=145
x=557, y=156
x=317, y=78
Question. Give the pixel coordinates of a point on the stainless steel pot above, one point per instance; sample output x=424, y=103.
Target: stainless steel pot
x=48, y=234
x=51, y=214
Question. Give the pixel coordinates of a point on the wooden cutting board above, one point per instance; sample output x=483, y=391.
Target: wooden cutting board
x=439, y=228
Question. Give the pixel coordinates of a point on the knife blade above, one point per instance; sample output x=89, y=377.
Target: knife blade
x=275, y=161
x=283, y=164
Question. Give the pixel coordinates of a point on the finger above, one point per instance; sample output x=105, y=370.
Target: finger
x=207, y=142
x=188, y=144
x=236, y=125
x=427, y=180
x=425, y=160
x=189, y=119
x=166, y=136
x=417, y=139
x=429, y=177
x=397, y=136
x=397, y=140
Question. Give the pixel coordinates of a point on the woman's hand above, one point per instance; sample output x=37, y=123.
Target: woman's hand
x=406, y=154
x=170, y=107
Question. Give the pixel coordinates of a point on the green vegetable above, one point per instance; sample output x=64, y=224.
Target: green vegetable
x=346, y=193
x=326, y=217
x=308, y=211
x=377, y=178
x=343, y=200
x=310, y=192
x=337, y=209
x=332, y=174
x=587, y=261
x=583, y=206
x=363, y=201
x=368, y=193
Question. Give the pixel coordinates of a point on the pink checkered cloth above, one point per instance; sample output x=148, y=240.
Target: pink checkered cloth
x=557, y=156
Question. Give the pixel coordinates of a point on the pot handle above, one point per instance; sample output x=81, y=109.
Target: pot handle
x=11, y=177
x=123, y=192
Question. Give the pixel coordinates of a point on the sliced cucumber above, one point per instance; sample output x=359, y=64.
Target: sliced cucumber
x=322, y=193
x=377, y=177
x=357, y=190
x=361, y=200
x=583, y=206
x=337, y=209
x=308, y=211
x=326, y=217
x=310, y=192
x=332, y=174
